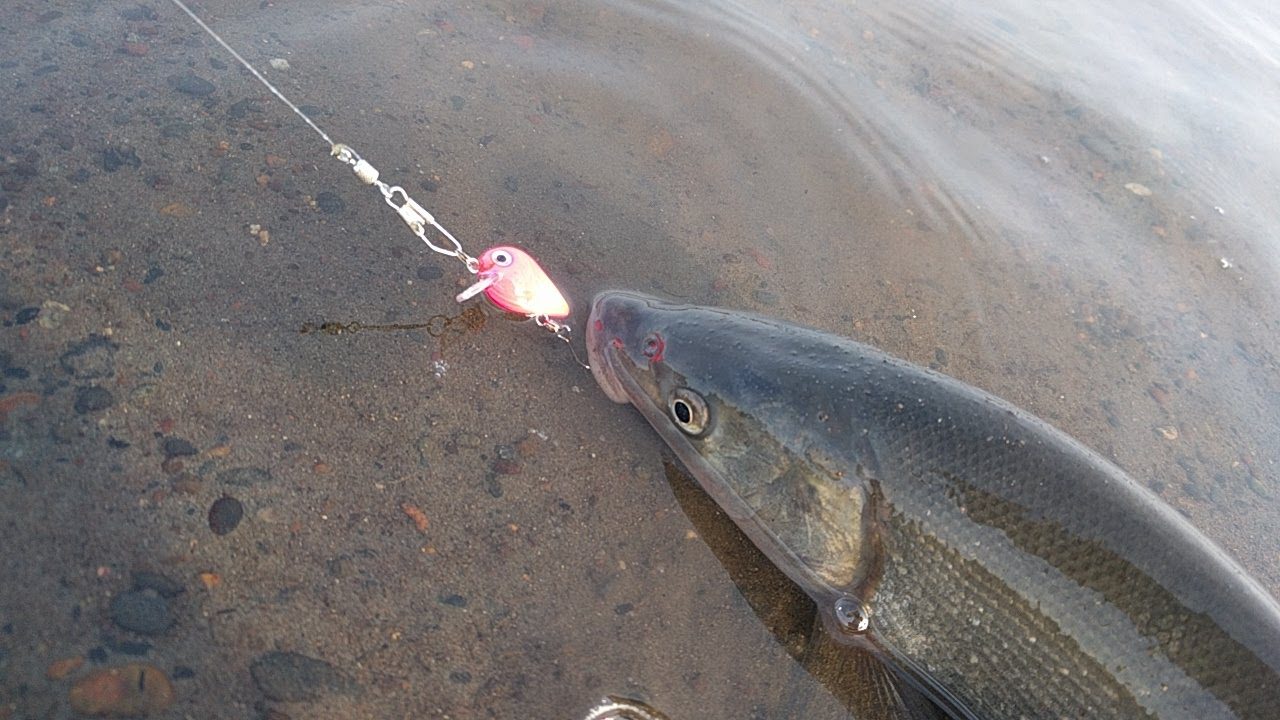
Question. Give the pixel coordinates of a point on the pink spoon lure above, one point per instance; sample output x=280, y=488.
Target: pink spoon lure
x=513, y=281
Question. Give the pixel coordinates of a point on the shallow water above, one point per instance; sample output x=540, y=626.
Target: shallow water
x=1071, y=205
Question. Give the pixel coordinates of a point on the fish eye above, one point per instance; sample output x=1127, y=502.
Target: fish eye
x=502, y=258
x=652, y=346
x=689, y=412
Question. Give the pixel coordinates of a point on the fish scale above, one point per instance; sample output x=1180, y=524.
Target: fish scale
x=1001, y=565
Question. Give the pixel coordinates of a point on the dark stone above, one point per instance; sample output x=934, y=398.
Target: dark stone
x=457, y=101
x=177, y=447
x=141, y=611
x=192, y=84
x=454, y=600
x=493, y=485
x=623, y=608
x=429, y=185
x=114, y=158
x=4, y=202
x=90, y=359
x=244, y=476
x=511, y=183
x=26, y=315
x=241, y=108
x=92, y=399
x=225, y=514
x=153, y=273
x=764, y=297
x=116, y=443
x=129, y=647
x=138, y=13
x=97, y=654
x=462, y=677
x=165, y=586
x=329, y=203
x=163, y=326
x=294, y=677
x=429, y=272
x=486, y=139
x=17, y=373
x=182, y=672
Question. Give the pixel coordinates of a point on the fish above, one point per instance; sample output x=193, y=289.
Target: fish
x=986, y=557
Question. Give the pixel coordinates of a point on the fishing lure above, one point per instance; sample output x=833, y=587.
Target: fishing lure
x=507, y=276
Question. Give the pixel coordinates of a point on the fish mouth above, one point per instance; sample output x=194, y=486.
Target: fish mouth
x=601, y=353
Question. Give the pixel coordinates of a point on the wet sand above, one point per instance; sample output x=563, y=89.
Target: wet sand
x=500, y=539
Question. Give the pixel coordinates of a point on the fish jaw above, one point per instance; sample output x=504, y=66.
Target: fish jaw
x=610, y=327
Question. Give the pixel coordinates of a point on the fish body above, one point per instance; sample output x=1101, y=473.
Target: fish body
x=988, y=557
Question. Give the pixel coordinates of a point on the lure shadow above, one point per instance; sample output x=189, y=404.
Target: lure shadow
x=854, y=677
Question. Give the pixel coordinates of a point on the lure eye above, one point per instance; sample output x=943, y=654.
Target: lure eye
x=502, y=258
x=689, y=412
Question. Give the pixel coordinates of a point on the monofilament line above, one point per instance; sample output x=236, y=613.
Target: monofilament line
x=256, y=74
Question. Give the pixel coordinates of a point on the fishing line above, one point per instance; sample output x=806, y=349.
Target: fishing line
x=509, y=277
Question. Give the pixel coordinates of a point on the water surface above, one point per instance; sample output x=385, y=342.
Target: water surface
x=1071, y=205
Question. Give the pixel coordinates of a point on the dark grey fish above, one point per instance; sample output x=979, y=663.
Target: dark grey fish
x=1002, y=566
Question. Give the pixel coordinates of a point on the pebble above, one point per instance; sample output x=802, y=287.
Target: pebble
x=177, y=447
x=454, y=600
x=244, y=476
x=114, y=158
x=225, y=514
x=192, y=84
x=163, y=585
x=59, y=669
x=294, y=677
x=133, y=690
x=329, y=203
x=279, y=63
x=26, y=315
x=141, y=611
x=90, y=359
x=92, y=399
x=429, y=272
x=186, y=484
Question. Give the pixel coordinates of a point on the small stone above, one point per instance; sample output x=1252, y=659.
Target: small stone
x=1138, y=189
x=163, y=585
x=294, y=677
x=59, y=669
x=329, y=203
x=279, y=63
x=141, y=611
x=172, y=466
x=186, y=484
x=225, y=514
x=244, y=476
x=92, y=399
x=90, y=359
x=429, y=272
x=192, y=84
x=461, y=677
x=182, y=672
x=26, y=315
x=454, y=600
x=133, y=690
x=114, y=158
x=177, y=447
x=511, y=183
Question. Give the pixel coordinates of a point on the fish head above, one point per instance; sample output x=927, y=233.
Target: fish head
x=721, y=391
